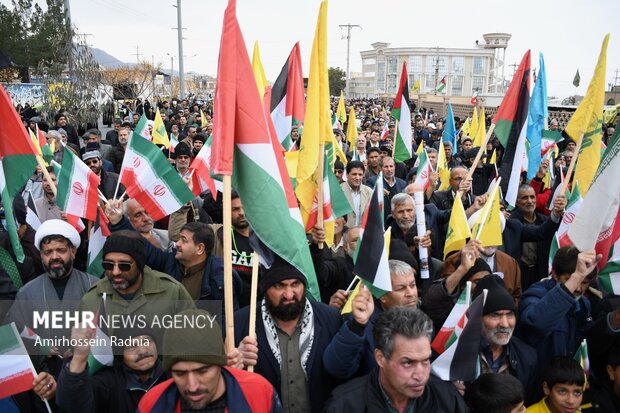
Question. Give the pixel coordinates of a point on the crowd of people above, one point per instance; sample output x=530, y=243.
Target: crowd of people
x=294, y=353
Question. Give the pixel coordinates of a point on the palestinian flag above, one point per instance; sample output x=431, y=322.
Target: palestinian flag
x=31, y=341
x=511, y=127
x=288, y=107
x=258, y=172
x=453, y=326
x=101, y=354
x=582, y=357
x=17, y=163
x=16, y=370
x=77, y=187
x=151, y=180
x=423, y=177
x=32, y=217
x=597, y=223
x=442, y=85
x=460, y=360
x=201, y=171
x=609, y=277
x=99, y=232
x=401, y=112
x=335, y=204
x=371, y=263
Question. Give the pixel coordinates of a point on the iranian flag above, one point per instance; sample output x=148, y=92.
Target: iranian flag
x=460, y=360
x=371, y=260
x=560, y=239
x=101, y=353
x=151, y=180
x=423, y=177
x=259, y=174
x=77, y=187
x=385, y=132
x=442, y=85
x=597, y=223
x=75, y=221
x=511, y=128
x=549, y=140
x=453, y=326
x=99, y=232
x=17, y=163
x=174, y=141
x=16, y=370
x=288, y=107
x=201, y=171
x=142, y=128
x=402, y=113
x=609, y=277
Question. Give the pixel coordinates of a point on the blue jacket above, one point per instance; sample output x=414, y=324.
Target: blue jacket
x=326, y=324
x=552, y=321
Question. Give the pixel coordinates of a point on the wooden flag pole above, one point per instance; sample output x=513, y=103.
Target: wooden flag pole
x=228, y=280
x=319, y=189
x=572, y=164
x=470, y=173
x=395, y=137
x=46, y=174
x=253, y=292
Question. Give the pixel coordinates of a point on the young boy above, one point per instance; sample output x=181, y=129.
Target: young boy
x=563, y=384
x=497, y=393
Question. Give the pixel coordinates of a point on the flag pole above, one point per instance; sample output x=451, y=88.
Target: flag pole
x=319, y=193
x=253, y=291
x=470, y=173
x=46, y=174
x=395, y=137
x=572, y=164
x=228, y=281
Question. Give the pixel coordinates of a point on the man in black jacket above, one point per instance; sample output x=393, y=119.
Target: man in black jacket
x=402, y=381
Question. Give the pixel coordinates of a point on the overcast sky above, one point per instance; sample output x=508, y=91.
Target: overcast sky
x=568, y=32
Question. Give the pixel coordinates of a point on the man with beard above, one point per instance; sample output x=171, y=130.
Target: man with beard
x=402, y=381
x=500, y=351
x=59, y=288
x=116, y=388
x=292, y=333
x=392, y=185
x=108, y=180
x=201, y=380
x=46, y=206
x=182, y=159
x=117, y=152
x=133, y=289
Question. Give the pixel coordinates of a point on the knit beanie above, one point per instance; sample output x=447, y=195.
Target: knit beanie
x=279, y=271
x=498, y=297
x=479, y=265
x=129, y=243
x=203, y=344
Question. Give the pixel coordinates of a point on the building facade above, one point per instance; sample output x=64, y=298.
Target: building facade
x=466, y=71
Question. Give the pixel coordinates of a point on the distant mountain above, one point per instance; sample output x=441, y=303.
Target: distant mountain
x=107, y=60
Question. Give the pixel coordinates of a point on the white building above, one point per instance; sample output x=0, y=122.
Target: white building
x=479, y=69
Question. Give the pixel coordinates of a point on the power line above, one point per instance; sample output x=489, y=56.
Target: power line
x=349, y=26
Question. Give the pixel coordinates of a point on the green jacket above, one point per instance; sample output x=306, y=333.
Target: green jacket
x=153, y=305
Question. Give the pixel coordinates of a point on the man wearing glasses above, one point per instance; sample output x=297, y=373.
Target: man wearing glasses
x=133, y=289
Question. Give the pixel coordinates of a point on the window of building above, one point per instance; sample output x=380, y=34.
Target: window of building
x=369, y=74
x=392, y=82
x=477, y=84
x=458, y=65
x=369, y=61
x=479, y=65
x=392, y=64
x=457, y=85
x=381, y=76
x=415, y=64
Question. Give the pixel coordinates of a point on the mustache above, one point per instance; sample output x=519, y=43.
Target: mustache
x=501, y=330
x=143, y=356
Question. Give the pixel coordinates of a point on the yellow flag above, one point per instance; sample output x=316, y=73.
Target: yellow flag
x=482, y=129
x=488, y=226
x=341, y=111
x=493, y=159
x=473, y=125
x=291, y=159
x=421, y=147
x=442, y=168
x=352, y=129
x=458, y=229
x=160, y=136
x=317, y=123
x=588, y=121
x=466, y=127
x=348, y=306
x=416, y=86
x=203, y=120
x=259, y=73
x=36, y=141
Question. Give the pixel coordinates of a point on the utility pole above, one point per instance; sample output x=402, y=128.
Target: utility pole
x=514, y=68
x=137, y=54
x=348, y=26
x=180, y=29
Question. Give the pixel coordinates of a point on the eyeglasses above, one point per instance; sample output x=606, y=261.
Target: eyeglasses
x=123, y=265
